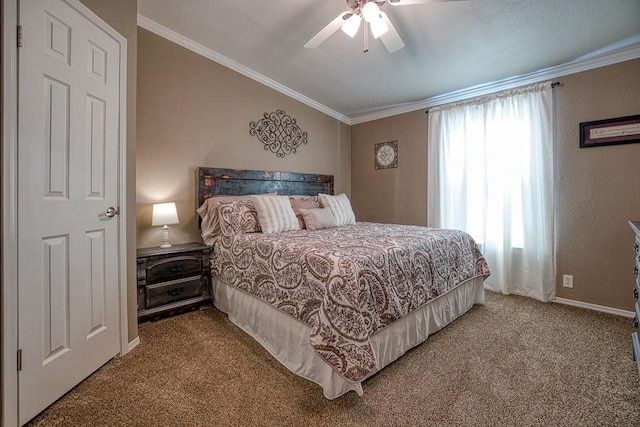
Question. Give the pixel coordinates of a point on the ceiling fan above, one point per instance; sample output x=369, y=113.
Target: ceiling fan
x=374, y=18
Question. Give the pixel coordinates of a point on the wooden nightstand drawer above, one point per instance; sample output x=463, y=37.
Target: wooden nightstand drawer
x=175, y=290
x=171, y=280
x=173, y=268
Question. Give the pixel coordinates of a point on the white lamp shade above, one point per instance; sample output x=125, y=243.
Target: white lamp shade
x=370, y=12
x=164, y=214
x=351, y=25
x=378, y=28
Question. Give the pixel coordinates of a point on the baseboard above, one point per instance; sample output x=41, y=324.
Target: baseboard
x=133, y=344
x=595, y=307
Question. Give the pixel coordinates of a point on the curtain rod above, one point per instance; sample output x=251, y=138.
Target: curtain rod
x=553, y=85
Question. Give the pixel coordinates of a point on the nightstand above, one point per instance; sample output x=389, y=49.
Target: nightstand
x=172, y=279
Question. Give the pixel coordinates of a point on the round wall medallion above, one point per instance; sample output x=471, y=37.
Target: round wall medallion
x=386, y=155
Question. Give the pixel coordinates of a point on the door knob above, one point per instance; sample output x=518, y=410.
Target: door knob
x=111, y=211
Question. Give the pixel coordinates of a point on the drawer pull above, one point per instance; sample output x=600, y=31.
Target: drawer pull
x=175, y=291
x=635, y=270
x=176, y=268
x=636, y=247
x=635, y=322
x=635, y=293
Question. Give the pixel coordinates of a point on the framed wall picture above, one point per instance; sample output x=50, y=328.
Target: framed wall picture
x=386, y=155
x=621, y=130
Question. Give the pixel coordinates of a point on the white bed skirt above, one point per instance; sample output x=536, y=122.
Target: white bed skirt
x=287, y=339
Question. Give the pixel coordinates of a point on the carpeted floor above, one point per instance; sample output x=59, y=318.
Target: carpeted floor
x=511, y=362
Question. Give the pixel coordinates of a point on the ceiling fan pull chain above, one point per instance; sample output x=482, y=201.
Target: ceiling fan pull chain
x=366, y=36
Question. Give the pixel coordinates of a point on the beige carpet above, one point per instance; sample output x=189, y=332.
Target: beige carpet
x=511, y=362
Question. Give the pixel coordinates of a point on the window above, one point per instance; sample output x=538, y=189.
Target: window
x=491, y=174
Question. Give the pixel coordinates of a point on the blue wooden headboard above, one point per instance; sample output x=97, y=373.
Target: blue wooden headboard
x=217, y=181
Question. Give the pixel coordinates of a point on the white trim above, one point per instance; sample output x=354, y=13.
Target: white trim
x=586, y=63
x=625, y=50
x=133, y=344
x=9, y=214
x=122, y=199
x=595, y=307
x=193, y=46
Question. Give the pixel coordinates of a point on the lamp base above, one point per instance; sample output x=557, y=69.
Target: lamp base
x=165, y=237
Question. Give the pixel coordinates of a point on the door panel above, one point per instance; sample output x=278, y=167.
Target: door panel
x=55, y=288
x=68, y=168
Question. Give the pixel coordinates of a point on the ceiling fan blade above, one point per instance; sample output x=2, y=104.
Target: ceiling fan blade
x=391, y=39
x=327, y=31
x=408, y=2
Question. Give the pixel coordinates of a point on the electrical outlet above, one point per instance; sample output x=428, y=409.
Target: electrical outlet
x=567, y=281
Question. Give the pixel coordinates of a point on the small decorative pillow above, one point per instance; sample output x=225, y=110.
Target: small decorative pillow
x=303, y=202
x=340, y=208
x=275, y=214
x=239, y=217
x=318, y=218
x=208, y=211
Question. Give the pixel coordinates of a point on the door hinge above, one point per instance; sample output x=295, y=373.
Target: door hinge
x=19, y=35
x=19, y=360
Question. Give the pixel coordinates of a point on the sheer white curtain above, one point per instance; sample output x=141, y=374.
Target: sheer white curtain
x=490, y=173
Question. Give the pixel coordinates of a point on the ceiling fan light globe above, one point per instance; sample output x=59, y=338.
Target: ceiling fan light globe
x=378, y=28
x=370, y=12
x=351, y=25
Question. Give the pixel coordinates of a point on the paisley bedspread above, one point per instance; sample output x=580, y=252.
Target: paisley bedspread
x=346, y=283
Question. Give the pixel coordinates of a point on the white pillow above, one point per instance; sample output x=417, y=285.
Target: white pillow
x=340, y=208
x=275, y=214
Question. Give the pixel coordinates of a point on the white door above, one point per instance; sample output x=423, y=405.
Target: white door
x=68, y=139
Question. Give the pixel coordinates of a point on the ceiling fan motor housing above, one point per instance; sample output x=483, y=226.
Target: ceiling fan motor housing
x=357, y=5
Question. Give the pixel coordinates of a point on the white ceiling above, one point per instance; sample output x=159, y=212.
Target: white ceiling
x=449, y=46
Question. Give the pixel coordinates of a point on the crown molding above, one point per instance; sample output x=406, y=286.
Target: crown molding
x=195, y=47
x=625, y=50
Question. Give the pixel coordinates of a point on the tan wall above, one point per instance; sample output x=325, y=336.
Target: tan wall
x=122, y=15
x=596, y=189
x=194, y=112
x=395, y=195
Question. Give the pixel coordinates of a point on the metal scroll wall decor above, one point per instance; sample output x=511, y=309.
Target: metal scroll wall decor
x=279, y=133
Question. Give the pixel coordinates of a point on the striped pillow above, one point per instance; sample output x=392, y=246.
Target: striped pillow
x=340, y=208
x=275, y=214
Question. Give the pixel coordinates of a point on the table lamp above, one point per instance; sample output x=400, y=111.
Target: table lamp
x=165, y=214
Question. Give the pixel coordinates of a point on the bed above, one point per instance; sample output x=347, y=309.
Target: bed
x=338, y=300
